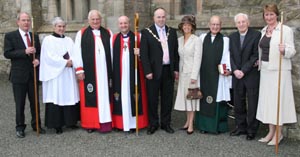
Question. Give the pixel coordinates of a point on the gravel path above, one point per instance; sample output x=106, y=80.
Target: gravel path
x=80, y=143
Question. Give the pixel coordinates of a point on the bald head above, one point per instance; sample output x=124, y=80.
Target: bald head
x=123, y=18
x=123, y=23
x=160, y=17
x=215, y=24
x=215, y=18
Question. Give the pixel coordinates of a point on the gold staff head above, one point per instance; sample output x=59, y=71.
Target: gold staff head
x=136, y=20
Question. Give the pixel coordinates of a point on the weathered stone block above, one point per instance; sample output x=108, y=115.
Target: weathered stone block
x=213, y=4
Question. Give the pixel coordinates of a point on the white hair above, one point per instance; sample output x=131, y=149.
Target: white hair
x=240, y=14
x=94, y=11
x=58, y=20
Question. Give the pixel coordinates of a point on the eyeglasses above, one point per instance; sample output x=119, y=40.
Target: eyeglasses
x=215, y=24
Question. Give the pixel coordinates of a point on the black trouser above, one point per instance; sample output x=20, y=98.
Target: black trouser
x=20, y=91
x=245, y=113
x=164, y=86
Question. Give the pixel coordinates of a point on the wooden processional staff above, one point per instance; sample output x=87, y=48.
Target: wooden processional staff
x=136, y=26
x=35, y=83
x=279, y=82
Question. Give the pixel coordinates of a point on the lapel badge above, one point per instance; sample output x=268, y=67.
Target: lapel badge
x=90, y=87
x=209, y=99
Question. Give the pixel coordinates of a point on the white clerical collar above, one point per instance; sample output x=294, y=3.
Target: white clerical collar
x=125, y=35
x=212, y=37
x=96, y=32
x=243, y=34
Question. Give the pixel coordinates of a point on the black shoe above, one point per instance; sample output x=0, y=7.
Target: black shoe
x=168, y=129
x=250, y=136
x=189, y=132
x=151, y=130
x=237, y=132
x=20, y=134
x=41, y=130
x=131, y=131
x=90, y=130
x=59, y=131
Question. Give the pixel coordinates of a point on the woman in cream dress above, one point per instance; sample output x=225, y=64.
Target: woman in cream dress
x=190, y=52
x=269, y=52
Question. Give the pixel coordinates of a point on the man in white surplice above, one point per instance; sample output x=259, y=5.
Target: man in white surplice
x=60, y=88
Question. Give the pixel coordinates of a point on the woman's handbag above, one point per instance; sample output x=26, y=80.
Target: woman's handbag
x=194, y=93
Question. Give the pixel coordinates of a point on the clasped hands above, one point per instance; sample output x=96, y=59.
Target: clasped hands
x=238, y=74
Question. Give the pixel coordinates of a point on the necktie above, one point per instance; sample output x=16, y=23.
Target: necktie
x=164, y=44
x=28, y=40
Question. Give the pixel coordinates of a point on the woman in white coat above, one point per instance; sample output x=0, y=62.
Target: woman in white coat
x=270, y=49
x=190, y=52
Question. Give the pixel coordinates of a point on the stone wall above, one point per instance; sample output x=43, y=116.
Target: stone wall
x=141, y=7
x=8, y=16
x=112, y=9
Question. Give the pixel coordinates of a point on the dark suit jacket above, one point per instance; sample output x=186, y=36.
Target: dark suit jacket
x=244, y=58
x=152, y=53
x=21, y=63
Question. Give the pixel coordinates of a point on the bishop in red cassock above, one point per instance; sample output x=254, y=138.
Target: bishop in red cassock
x=94, y=70
x=124, y=110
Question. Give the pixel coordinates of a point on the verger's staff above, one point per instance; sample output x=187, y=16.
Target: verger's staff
x=136, y=26
x=35, y=83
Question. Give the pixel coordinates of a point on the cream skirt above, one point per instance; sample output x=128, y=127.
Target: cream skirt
x=268, y=91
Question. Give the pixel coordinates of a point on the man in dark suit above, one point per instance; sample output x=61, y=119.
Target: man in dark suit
x=159, y=55
x=18, y=48
x=245, y=83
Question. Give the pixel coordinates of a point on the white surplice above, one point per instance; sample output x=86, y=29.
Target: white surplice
x=59, y=82
x=102, y=82
x=129, y=122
